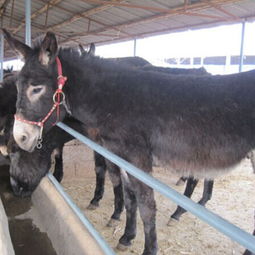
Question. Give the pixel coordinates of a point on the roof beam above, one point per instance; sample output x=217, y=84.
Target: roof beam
x=12, y=10
x=84, y=14
x=37, y=13
x=184, y=10
x=217, y=7
x=207, y=16
x=3, y=6
x=162, y=31
x=134, y=6
x=143, y=7
x=81, y=16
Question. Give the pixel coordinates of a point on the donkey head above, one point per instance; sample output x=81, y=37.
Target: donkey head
x=37, y=82
x=26, y=169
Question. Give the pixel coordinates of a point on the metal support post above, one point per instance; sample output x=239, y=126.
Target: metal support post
x=28, y=22
x=242, y=47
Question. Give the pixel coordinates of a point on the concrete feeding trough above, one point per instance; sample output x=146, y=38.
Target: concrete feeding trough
x=45, y=224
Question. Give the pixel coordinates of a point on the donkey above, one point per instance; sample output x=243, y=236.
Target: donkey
x=131, y=61
x=198, y=126
x=138, y=62
x=27, y=169
x=8, y=97
x=20, y=167
x=30, y=163
x=38, y=163
x=23, y=182
x=100, y=165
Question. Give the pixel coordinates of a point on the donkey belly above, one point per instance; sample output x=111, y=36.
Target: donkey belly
x=199, y=156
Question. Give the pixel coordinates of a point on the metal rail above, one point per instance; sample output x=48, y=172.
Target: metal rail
x=1, y=57
x=222, y=225
x=101, y=242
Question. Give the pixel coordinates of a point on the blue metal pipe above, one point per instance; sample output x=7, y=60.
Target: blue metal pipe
x=101, y=242
x=222, y=225
x=28, y=22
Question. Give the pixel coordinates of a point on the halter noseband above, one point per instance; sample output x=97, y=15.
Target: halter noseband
x=58, y=99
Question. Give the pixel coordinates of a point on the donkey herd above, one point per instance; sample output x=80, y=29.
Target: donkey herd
x=196, y=125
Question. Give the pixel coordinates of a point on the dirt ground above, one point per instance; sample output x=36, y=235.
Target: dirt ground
x=233, y=199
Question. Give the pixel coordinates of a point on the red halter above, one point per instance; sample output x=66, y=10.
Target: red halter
x=58, y=99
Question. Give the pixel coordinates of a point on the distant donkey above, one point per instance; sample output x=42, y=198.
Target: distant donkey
x=100, y=165
x=198, y=126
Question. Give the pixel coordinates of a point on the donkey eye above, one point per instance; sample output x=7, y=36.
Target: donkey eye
x=34, y=92
x=37, y=90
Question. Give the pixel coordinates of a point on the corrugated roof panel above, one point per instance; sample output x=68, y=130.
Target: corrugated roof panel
x=76, y=7
x=170, y=3
x=85, y=25
x=129, y=22
x=83, y=28
x=246, y=8
x=108, y=18
x=164, y=5
x=135, y=12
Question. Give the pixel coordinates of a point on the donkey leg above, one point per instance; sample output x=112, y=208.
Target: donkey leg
x=144, y=197
x=100, y=169
x=114, y=174
x=131, y=214
x=252, y=158
x=181, y=181
x=207, y=193
x=147, y=208
x=190, y=186
x=58, y=170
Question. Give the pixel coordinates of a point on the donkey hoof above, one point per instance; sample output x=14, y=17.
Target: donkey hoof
x=122, y=247
x=172, y=222
x=113, y=223
x=92, y=207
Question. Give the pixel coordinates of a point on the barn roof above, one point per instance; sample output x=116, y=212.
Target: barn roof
x=103, y=22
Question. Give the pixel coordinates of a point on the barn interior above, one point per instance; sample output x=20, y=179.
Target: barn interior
x=105, y=22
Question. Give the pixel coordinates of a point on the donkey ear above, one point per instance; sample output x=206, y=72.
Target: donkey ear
x=92, y=49
x=21, y=49
x=49, y=49
x=83, y=52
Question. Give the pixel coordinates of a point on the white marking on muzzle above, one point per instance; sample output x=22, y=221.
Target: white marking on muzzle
x=3, y=150
x=25, y=135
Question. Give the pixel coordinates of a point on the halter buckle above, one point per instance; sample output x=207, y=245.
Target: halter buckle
x=62, y=96
x=40, y=140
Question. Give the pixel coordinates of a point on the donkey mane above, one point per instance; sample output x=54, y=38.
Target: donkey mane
x=71, y=55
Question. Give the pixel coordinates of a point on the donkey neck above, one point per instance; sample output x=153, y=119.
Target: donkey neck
x=8, y=95
x=80, y=78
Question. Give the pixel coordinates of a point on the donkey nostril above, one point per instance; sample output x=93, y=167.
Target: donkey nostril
x=23, y=138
